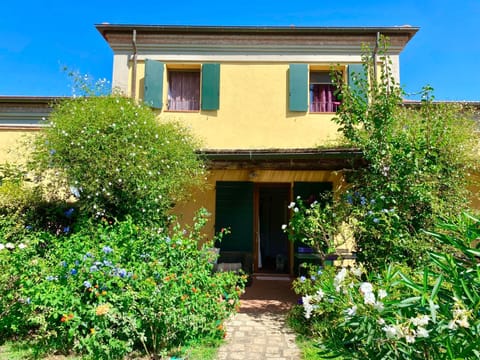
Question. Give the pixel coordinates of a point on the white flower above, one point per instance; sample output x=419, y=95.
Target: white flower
x=421, y=332
x=9, y=246
x=22, y=246
x=410, y=339
x=369, y=298
x=296, y=210
x=378, y=306
x=2, y=247
x=307, y=306
x=291, y=205
x=366, y=288
x=357, y=271
x=421, y=320
x=463, y=322
x=452, y=325
x=319, y=295
x=382, y=294
x=381, y=321
x=351, y=311
x=390, y=331
x=284, y=226
x=339, y=278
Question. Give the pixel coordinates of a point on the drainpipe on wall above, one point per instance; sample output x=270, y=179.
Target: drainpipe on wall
x=134, y=69
x=375, y=50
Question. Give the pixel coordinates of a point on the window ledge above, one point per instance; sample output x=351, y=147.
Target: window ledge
x=183, y=111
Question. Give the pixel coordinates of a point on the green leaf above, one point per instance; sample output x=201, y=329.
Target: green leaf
x=436, y=287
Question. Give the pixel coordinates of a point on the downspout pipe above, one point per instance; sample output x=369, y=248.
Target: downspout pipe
x=134, y=68
x=375, y=51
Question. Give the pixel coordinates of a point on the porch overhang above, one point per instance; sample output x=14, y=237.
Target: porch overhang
x=283, y=159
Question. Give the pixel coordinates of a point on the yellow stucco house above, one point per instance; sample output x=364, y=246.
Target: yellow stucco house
x=261, y=101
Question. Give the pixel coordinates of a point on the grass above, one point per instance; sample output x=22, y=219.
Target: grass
x=310, y=349
x=22, y=350
x=199, y=350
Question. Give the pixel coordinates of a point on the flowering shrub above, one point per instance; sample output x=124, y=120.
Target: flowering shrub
x=416, y=162
x=110, y=290
x=313, y=225
x=112, y=155
x=427, y=314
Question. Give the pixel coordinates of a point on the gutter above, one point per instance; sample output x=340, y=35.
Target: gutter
x=134, y=70
x=280, y=154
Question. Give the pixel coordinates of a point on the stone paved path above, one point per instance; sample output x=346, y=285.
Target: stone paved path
x=259, y=330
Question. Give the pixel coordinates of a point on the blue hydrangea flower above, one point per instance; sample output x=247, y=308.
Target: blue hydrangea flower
x=303, y=278
x=363, y=201
x=319, y=272
x=73, y=272
x=167, y=240
x=107, y=249
x=64, y=263
x=93, y=268
x=66, y=229
x=313, y=277
x=87, y=284
x=122, y=273
x=68, y=213
x=53, y=152
x=107, y=263
x=51, y=278
x=376, y=221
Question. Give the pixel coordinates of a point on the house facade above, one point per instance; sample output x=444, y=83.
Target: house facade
x=261, y=101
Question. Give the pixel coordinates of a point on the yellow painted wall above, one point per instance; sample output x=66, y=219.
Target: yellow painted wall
x=206, y=197
x=253, y=111
x=10, y=143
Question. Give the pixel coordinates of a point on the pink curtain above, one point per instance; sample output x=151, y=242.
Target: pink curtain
x=322, y=98
x=184, y=90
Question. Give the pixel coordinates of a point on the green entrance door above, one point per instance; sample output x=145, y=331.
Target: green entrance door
x=234, y=210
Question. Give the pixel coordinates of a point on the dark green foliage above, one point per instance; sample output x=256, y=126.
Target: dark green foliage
x=114, y=156
x=418, y=161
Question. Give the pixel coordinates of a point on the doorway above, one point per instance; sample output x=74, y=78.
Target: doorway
x=273, y=247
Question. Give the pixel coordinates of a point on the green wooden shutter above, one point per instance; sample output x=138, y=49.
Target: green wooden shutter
x=234, y=210
x=298, y=87
x=356, y=73
x=210, y=86
x=153, y=84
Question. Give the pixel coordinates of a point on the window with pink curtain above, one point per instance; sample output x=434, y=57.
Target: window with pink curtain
x=183, y=90
x=322, y=93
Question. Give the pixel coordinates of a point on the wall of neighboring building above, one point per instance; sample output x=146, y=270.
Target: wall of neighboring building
x=21, y=118
x=11, y=144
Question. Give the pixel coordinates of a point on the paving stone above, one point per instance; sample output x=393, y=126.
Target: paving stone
x=259, y=330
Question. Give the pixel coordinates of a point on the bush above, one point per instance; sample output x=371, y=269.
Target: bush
x=427, y=314
x=112, y=154
x=116, y=288
x=415, y=171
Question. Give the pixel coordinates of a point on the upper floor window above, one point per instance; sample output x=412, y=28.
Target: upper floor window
x=323, y=94
x=184, y=90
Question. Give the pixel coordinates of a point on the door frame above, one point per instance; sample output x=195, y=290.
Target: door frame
x=256, y=212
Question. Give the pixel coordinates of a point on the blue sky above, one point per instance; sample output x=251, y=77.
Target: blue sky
x=39, y=37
